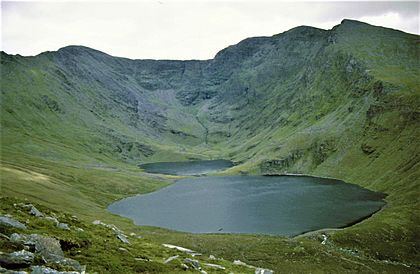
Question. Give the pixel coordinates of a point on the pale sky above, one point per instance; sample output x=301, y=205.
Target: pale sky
x=171, y=29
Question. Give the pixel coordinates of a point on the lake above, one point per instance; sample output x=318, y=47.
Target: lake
x=187, y=168
x=275, y=205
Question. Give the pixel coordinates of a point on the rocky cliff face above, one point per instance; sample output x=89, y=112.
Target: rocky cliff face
x=306, y=83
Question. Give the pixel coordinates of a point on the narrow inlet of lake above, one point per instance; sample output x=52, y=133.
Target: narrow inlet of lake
x=187, y=168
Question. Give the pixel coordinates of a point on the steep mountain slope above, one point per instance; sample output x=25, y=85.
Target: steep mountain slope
x=342, y=103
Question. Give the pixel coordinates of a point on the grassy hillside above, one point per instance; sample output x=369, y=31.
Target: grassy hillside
x=341, y=103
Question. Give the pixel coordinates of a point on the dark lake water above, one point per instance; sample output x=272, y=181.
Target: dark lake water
x=277, y=205
x=187, y=168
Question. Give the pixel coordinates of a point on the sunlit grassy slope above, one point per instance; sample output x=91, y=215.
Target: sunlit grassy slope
x=342, y=103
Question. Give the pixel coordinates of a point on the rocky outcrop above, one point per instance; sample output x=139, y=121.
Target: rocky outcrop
x=277, y=165
x=322, y=150
x=47, y=248
x=367, y=149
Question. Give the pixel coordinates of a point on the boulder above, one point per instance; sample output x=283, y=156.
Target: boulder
x=18, y=259
x=49, y=248
x=9, y=222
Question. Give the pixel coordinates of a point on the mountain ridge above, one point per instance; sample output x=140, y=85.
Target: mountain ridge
x=352, y=22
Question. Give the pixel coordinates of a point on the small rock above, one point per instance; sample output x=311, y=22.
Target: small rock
x=97, y=222
x=238, y=262
x=216, y=266
x=263, y=271
x=34, y=211
x=122, y=238
x=114, y=228
x=141, y=259
x=18, y=259
x=122, y=249
x=324, y=239
x=6, y=221
x=4, y=236
x=194, y=263
x=211, y=257
x=170, y=259
x=79, y=229
x=183, y=249
x=21, y=205
x=184, y=266
x=52, y=219
x=63, y=226
x=132, y=234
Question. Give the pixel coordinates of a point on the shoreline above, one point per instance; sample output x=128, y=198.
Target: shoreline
x=303, y=234
x=359, y=221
